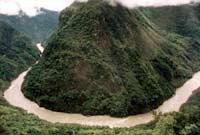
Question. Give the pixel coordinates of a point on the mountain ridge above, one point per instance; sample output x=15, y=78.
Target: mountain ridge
x=38, y=28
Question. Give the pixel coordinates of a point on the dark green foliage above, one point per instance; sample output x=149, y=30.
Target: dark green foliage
x=110, y=60
x=183, y=20
x=38, y=28
x=16, y=54
x=2, y=130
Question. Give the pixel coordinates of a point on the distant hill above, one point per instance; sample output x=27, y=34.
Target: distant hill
x=38, y=28
x=16, y=54
x=112, y=60
x=183, y=20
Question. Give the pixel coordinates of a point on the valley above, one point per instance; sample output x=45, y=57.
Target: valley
x=38, y=28
x=101, y=69
x=16, y=98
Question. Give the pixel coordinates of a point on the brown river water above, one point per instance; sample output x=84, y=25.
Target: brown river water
x=16, y=98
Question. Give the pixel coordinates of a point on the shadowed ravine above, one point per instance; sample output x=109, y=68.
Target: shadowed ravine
x=16, y=98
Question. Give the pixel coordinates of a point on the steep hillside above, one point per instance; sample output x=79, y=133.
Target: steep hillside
x=16, y=54
x=110, y=60
x=37, y=28
x=183, y=20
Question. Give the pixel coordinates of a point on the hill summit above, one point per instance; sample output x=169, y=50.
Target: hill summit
x=105, y=59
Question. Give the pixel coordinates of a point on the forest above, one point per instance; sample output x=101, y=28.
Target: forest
x=105, y=60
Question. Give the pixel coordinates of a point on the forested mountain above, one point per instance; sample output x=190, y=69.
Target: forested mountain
x=105, y=59
x=16, y=54
x=183, y=20
x=152, y=33
x=38, y=28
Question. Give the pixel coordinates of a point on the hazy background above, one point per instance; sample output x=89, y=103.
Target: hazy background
x=31, y=7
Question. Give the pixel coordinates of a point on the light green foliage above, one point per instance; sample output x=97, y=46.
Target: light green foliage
x=17, y=122
x=165, y=126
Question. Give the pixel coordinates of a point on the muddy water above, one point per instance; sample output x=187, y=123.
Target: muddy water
x=16, y=98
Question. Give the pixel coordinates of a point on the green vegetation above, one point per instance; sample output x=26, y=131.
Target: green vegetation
x=38, y=28
x=160, y=60
x=183, y=20
x=16, y=54
x=187, y=122
x=110, y=60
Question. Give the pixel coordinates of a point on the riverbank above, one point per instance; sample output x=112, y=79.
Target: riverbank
x=16, y=98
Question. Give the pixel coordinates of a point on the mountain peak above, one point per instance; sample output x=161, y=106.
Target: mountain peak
x=15, y=7
x=21, y=13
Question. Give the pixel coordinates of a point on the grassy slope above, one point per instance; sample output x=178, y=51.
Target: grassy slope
x=110, y=60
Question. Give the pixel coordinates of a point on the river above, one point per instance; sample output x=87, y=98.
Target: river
x=16, y=98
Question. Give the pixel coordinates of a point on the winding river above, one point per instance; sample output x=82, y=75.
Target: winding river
x=16, y=98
